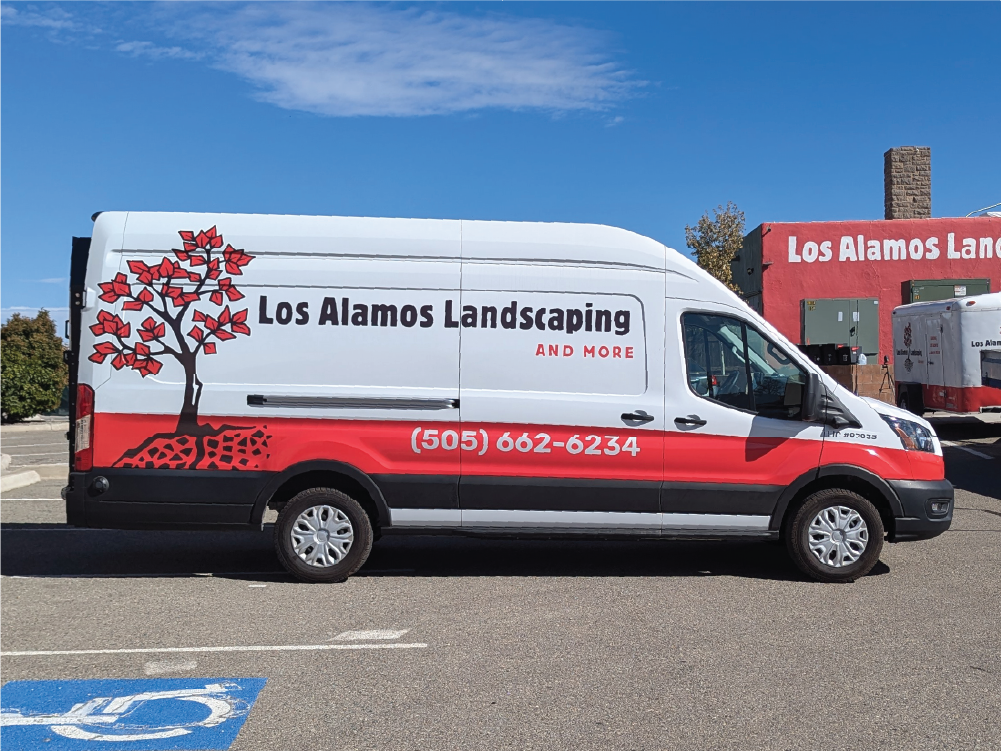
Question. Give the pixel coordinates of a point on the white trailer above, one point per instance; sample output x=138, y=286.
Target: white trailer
x=946, y=354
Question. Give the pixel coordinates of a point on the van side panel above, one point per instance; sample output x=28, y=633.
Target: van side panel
x=553, y=359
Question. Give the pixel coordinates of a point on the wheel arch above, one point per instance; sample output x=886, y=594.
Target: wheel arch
x=868, y=485
x=323, y=473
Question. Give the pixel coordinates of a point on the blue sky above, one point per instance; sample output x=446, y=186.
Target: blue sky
x=638, y=115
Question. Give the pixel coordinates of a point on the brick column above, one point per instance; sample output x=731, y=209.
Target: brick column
x=907, y=183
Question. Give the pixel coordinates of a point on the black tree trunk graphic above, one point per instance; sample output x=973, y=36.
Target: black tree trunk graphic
x=187, y=421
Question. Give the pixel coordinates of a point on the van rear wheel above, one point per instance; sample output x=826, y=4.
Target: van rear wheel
x=835, y=536
x=322, y=535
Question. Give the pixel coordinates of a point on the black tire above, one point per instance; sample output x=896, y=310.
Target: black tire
x=336, y=567
x=902, y=401
x=800, y=538
x=912, y=405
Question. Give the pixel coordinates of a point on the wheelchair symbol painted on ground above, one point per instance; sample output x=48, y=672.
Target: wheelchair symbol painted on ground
x=140, y=714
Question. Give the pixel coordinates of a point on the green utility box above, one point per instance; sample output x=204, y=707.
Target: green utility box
x=926, y=290
x=851, y=321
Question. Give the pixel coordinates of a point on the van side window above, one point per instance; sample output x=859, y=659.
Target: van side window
x=733, y=364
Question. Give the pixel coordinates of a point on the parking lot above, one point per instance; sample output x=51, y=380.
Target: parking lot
x=447, y=643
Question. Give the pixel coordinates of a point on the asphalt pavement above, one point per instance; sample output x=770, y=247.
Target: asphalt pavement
x=454, y=643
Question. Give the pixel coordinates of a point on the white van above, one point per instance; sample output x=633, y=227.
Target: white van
x=375, y=376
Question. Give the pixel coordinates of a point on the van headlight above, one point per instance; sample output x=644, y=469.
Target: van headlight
x=915, y=437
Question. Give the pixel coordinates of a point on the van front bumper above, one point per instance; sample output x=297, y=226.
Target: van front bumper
x=922, y=503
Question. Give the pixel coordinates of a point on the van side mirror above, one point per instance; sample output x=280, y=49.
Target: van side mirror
x=813, y=402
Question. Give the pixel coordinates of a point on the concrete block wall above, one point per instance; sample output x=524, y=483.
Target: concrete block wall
x=907, y=183
x=865, y=380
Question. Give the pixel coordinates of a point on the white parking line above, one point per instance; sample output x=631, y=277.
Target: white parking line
x=168, y=666
x=371, y=635
x=176, y=650
x=50, y=453
x=967, y=449
x=33, y=445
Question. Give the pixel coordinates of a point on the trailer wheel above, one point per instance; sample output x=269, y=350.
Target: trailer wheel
x=902, y=399
x=907, y=401
x=322, y=535
x=835, y=536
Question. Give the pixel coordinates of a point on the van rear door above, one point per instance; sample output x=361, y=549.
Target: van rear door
x=78, y=290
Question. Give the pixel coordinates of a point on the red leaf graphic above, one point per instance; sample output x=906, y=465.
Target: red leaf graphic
x=235, y=260
x=210, y=348
x=105, y=348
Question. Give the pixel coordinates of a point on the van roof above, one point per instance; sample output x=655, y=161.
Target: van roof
x=991, y=301
x=553, y=242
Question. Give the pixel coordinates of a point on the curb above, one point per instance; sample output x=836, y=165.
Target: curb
x=32, y=427
x=20, y=480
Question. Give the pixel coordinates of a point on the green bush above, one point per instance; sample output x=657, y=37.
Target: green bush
x=32, y=372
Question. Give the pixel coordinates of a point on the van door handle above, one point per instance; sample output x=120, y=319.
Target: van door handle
x=690, y=420
x=637, y=417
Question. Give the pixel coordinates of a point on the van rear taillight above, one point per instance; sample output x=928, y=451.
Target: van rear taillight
x=83, y=458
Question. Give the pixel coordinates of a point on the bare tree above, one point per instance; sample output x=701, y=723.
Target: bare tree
x=717, y=240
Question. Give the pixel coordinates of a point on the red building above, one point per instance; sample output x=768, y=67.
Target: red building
x=838, y=282
x=801, y=276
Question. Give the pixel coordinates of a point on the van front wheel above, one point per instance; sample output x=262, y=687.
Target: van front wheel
x=835, y=536
x=322, y=535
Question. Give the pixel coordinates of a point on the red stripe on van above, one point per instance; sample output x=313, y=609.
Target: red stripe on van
x=436, y=448
x=890, y=464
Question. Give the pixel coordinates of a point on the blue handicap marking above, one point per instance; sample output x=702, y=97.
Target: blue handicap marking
x=159, y=714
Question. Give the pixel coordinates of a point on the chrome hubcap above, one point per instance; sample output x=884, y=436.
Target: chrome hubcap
x=838, y=536
x=322, y=536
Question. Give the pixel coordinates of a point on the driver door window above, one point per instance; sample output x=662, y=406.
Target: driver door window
x=730, y=363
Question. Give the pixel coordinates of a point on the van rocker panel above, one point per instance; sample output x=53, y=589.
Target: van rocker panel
x=558, y=494
x=719, y=498
x=174, y=497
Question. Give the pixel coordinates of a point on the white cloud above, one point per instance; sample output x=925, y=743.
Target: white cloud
x=148, y=49
x=349, y=60
x=53, y=18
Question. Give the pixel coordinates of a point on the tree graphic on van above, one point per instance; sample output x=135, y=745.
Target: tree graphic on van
x=169, y=291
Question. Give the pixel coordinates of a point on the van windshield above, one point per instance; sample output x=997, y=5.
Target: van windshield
x=733, y=364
